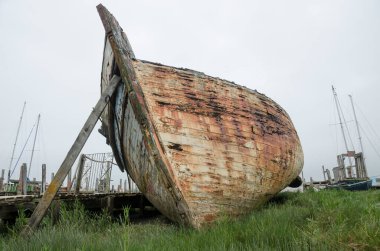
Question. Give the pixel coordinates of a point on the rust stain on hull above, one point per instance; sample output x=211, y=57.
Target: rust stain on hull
x=198, y=147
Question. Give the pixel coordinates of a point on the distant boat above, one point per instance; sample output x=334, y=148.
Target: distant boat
x=197, y=147
x=352, y=185
x=344, y=178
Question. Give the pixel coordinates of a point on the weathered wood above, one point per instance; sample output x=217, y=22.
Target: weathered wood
x=149, y=139
x=198, y=147
x=10, y=205
x=97, y=185
x=73, y=153
x=80, y=168
x=129, y=184
x=2, y=180
x=22, y=184
x=43, y=180
x=55, y=209
x=87, y=184
x=108, y=177
x=110, y=25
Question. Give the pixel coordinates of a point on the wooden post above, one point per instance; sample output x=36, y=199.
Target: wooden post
x=24, y=178
x=87, y=183
x=324, y=173
x=73, y=153
x=129, y=184
x=329, y=176
x=22, y=183
x=2, y=180
x=43, y=181
x=125, y=186
x=55, y=211
x=97, y=185
x=107, y=203
x=9, y=175
x=78, y=182
x=311, y=182
x=108, y=177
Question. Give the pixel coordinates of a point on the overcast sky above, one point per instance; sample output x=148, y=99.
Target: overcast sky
x=292, y=51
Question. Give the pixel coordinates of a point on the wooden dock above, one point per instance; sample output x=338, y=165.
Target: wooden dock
x=12, y=206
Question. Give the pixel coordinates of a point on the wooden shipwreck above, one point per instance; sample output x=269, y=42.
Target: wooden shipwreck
x=197, y=147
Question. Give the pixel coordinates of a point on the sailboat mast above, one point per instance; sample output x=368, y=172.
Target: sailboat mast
x=14, y=146
x=34, y=143
x=357, y=125
x=341, y=126
x=361, y=167
x=340, y=118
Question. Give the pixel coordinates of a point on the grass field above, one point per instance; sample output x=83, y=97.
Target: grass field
x=326, y=220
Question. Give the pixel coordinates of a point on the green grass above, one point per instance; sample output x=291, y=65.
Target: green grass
x=326, y=220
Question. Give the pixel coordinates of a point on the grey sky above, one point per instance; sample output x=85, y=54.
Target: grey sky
x=292, y=51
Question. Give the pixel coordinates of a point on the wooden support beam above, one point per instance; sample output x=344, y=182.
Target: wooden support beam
x=73, y=153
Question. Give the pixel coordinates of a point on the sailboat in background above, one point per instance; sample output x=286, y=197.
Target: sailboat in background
x=10, y=186
x=354, y=176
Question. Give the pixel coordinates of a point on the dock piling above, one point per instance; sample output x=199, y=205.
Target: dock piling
x=22, y=184
x=2, y=180
x=43, y=181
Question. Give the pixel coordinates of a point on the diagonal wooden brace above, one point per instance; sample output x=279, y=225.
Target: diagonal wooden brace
x=71, y=156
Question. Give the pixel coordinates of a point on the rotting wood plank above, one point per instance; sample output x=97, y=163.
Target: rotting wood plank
x=73, y=153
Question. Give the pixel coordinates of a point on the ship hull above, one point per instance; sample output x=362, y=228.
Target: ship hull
x=197, y=147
